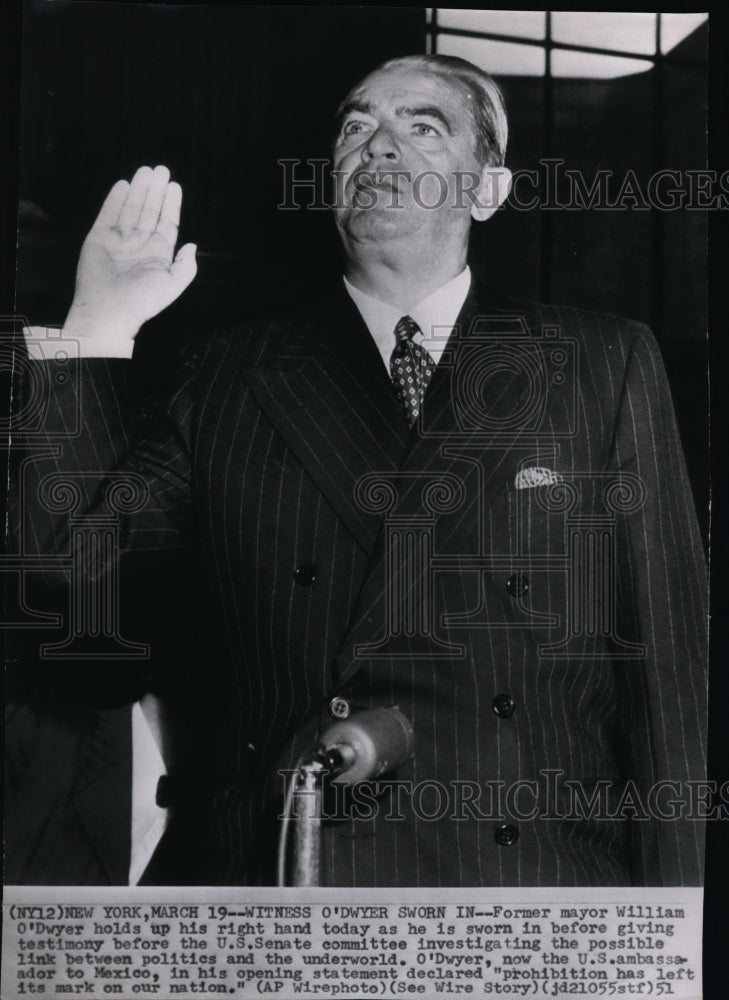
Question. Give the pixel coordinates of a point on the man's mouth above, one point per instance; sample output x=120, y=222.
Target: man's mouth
x=366, y=186
x=387, y=180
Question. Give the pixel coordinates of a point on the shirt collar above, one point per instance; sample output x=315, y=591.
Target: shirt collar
x=436, y=316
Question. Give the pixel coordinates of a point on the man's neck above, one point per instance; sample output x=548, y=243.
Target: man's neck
x=400, y=285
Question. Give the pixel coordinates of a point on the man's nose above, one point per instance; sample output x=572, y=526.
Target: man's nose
x=382, y=144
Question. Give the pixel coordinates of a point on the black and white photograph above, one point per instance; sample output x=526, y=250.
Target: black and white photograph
x=356, y=587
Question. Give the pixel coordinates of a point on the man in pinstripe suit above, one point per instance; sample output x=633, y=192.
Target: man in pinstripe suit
x=512, y=559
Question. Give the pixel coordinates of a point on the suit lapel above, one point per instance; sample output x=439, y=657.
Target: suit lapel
x=469, y=389
x=329, y=395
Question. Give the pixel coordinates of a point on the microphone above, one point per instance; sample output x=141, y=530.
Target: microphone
x=365, y=745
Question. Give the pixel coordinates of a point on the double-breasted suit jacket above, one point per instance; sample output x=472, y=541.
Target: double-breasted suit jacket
x=521, y=574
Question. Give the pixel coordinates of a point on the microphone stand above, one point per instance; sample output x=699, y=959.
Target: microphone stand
x=307, y=808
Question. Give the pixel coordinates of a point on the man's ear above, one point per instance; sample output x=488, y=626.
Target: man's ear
x=492, y=192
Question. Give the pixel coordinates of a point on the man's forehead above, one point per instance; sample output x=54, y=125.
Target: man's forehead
x=399, y=82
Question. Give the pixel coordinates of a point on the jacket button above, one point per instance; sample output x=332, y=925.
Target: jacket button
x=503, y=705
x=506, y=835
x=339, y=708
x=517, y=585
x=305, y=574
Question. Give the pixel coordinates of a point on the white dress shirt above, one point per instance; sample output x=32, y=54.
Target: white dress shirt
x=436, y=316
x=149, y=821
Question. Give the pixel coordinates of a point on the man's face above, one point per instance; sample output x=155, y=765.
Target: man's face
x=406, y=135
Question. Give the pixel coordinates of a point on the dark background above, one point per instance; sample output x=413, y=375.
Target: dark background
x=221, y=93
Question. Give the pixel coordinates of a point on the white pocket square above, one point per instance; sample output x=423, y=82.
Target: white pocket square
x=536, y=476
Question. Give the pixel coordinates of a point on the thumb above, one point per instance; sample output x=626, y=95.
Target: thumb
x=184, y=266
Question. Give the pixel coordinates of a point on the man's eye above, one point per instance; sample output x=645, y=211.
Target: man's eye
x=352, y=128
x=423, y=128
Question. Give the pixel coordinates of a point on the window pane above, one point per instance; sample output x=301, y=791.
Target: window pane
x=522, y=23
x=676, y=27
x=622, y=32
x=591, y=66
x=498, y=58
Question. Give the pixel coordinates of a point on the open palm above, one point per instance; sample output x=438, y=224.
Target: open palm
x=128, y=271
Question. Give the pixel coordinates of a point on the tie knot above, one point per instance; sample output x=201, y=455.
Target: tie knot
x=405, y=330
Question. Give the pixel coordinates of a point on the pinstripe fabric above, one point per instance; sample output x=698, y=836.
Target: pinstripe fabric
x=255, y=460
x=66, y=767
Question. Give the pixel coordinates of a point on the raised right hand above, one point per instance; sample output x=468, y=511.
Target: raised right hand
x=128, y=271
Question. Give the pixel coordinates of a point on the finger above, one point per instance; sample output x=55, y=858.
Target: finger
x=184, y=266
x=153, y=200
x=136, y=196
x=169, y=216
x=109, y=213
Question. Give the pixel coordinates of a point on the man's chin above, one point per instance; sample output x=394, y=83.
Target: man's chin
x=375, y=224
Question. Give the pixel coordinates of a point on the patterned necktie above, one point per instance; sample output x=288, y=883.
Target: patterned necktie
x=411, y=368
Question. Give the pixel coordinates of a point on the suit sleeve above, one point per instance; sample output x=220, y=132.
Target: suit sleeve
x=100, y=491
x=662, y=603
x=97, y=448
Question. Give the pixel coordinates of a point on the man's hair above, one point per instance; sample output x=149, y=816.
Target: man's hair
x=488, y=112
